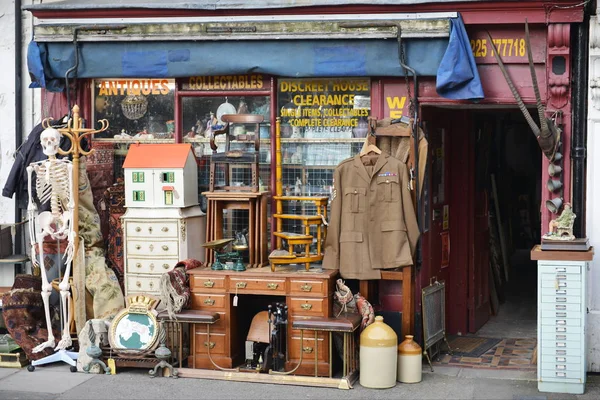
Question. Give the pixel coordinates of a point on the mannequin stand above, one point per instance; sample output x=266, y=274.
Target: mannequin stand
x=66, y=356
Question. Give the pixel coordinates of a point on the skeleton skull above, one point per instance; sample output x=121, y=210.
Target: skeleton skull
x=50, y=139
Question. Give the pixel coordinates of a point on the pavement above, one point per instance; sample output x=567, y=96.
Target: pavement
x=57, y=382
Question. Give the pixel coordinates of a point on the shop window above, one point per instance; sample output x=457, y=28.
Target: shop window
x=138, y=177
x=139, y=195
x=169, y=197
x=168, y=177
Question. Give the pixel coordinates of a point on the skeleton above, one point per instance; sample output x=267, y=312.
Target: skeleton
x=54, y=184
x=547, y=134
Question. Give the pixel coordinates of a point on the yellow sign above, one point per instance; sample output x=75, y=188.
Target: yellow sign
x=507, y=47
x=396, y=105
x=226, y=82
x=126, y=87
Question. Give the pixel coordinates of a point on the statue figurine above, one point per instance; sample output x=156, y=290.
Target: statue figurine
x=561, y=228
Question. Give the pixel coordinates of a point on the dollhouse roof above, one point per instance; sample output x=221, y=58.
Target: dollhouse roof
x=171, y=155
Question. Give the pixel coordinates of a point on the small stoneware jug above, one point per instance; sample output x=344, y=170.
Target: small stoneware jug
x=409, y=361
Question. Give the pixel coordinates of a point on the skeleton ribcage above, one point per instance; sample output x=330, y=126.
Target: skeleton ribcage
x=53, y=186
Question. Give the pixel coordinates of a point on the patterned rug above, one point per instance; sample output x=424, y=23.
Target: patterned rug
x=471, y=346
x=507, y=354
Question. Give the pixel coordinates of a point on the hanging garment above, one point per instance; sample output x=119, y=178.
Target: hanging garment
x=373, y=225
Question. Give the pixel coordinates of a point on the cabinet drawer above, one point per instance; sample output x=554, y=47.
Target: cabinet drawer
x=560, y=314
x=561, y=284
x=561, y=321
x=561, y=299
x=302, y=287
x=559, y=269
x=149, y=266
x=561, y=337
x=157, y=229
x=550, y=342
x=257, y=286
x=550, y=373
x=551, y=329
x=142, y=283
x=554, y=366
x=560, y=307
x=216, y=343
x=551, y=360
x=307, y=306
x=562, y=352
x=308, y=348
x=208, y=283
x=561, y=277
x=163, y=248
x=561, y=291
x=212, y=302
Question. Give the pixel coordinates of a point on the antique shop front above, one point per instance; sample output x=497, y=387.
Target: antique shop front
x=167, y=73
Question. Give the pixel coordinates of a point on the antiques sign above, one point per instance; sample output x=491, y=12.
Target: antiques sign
x=227, y=82
x=135, y=87
x=324, y=105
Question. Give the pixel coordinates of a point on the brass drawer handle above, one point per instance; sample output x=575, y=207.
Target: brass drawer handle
x=306, y=306
x=166, y=266
x=137, y=247
x=138, y=284
x=210, y=345
x=165, y=247
x=138, y=265
x=272, y=286
x=307, y=349
x=209, y=284
x=209, y=302
x=241, y=285
x=306, y=287
x=138, y=229
x=165, y=229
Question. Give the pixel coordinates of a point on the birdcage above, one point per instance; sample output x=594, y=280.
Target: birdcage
x=134, y=106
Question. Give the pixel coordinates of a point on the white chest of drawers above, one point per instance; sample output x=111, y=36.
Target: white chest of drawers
x=562, y=310
x=155, y=240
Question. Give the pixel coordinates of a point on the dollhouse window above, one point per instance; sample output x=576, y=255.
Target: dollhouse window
x=138, y=177
x=139, y=195
x=169, y=197
x=168, y=177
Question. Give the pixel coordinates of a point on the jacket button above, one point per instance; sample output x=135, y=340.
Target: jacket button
x=387, y=181
x=356, y=191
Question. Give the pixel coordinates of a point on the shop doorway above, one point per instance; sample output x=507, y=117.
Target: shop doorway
x=483, y=203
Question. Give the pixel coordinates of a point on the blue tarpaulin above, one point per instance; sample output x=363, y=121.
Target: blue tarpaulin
x=457, y=76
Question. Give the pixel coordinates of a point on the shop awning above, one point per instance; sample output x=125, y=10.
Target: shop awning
x=345, y=46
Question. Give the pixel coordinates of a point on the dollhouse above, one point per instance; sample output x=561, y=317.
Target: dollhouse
x=163, y=223
x=160, y=175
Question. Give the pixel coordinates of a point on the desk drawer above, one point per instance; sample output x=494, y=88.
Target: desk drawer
x=142, y=283
x=150, y=266
x=208, y=283
x=217, y=343
x=307, y=287
x=163, y=248
x=307, y=306
x=257, y=286
x=157, y=229
x=210, y=302
x=308, y=348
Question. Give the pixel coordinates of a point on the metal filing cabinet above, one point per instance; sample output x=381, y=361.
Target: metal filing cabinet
x=561, y=321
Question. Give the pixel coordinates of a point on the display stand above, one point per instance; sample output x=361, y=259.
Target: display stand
x=256, y=204
x=65, y=356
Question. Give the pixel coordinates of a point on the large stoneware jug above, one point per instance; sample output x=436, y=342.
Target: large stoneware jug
x=378, y=355
x=409, y=361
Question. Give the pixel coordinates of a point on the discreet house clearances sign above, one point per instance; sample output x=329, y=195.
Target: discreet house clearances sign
x=322, y=104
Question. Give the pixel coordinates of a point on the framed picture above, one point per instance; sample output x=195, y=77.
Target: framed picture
x=135, y=330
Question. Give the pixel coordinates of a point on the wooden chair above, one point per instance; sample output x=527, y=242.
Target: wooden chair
x=281, y=256
x=229, y=157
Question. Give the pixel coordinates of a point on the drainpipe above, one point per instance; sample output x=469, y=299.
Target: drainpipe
x=18, y=108
x=579, y=136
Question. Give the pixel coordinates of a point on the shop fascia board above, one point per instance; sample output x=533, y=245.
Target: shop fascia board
x=375, y=26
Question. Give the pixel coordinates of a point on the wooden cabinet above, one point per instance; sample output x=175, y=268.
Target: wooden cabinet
x=157, y=239
x=562, y=280
x=306, y=295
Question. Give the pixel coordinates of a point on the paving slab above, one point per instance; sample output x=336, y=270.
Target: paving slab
x=4, y=372
x=44, y=380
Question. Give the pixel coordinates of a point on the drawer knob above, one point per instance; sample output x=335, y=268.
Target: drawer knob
x=209, y=302
x=210, y=345
x=137, y=247
x=272, y=286
x=240, y=285
x=166, y=266
x=138, y=265
x=138, y=284
x=151, y=284
x=209, y=284
x=306, y=306
x=150, y=229
x=165, y=229
x=307, y=349
x=138, y=229
x=165, y=247
x=306, y=287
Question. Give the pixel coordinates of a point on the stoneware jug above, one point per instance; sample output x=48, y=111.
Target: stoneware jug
x=409, y=361
x=378, y=355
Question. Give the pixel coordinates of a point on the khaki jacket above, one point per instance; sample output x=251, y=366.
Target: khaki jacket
x=373, y=224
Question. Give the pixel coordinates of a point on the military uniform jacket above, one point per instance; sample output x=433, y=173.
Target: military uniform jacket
x=373, y=225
